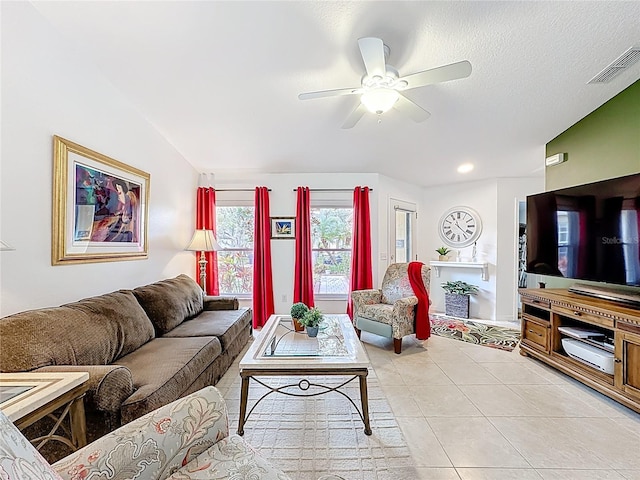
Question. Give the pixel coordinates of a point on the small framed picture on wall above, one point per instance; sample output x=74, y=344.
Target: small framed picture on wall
x=283, y=227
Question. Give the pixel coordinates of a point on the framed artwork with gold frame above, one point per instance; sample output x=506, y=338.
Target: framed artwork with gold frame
x=100, y=207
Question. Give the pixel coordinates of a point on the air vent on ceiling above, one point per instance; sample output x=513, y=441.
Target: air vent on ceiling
x=624, y=61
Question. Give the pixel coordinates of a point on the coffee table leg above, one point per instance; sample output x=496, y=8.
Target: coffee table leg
x=78, y=422
x=244, y=394
x=364, y=398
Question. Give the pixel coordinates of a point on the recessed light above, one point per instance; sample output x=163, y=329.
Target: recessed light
x=465, y=168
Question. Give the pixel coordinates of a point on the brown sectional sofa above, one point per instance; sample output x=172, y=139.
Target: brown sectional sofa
x=143, y=348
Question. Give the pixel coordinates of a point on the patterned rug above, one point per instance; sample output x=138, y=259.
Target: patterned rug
x=314, y=436
x=475, y=332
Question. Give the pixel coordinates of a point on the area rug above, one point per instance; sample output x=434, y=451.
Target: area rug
x=474, y=332
x=314, y=436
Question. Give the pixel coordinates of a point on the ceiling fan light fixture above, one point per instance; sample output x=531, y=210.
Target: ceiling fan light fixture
x=379, y=100
x=465, y=168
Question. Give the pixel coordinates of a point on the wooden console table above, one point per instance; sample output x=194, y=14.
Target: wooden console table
x=27, y=397
x=550, y=316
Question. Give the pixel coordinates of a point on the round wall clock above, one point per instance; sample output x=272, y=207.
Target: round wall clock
x=460, y=227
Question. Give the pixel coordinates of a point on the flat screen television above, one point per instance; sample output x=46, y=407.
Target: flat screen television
x=587, y=232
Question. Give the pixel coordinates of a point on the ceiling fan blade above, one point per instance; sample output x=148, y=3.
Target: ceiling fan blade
x=329, y=93
x=445, y=73
x=411, y=109
x=354, y=116
x=372, y=50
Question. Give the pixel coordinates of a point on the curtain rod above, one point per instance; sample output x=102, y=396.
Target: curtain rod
x=333, y=189
x=236, y=189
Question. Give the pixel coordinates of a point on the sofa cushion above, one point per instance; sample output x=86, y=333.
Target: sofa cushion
x=93, y=331
x=129, y=325
x=164, y=369
x=224, y=324
x=169, y=302
x=380, y=312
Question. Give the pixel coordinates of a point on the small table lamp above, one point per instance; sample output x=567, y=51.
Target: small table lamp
x=203, y=241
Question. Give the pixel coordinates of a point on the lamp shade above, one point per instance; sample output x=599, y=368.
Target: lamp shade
x=203, y=241
x=379, y=100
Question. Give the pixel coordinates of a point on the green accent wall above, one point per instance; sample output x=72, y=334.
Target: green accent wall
x=604, y=144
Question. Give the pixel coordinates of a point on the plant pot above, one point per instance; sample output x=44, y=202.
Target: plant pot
x=312, y=331
x=443, y=258
x=456, y=305
x=297, y=325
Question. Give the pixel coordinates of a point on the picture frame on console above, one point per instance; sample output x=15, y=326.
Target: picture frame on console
x=283, y=227
x=100, y=207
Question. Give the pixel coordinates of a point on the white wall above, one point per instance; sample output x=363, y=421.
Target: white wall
x=47, y=89
x=496, y=202
x=482, y=197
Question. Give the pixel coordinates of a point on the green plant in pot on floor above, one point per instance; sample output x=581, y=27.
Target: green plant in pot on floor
x=456, y=298
x=297, y=312
x=311, y=320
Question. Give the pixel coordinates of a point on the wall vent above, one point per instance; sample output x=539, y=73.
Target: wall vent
x=621, y=63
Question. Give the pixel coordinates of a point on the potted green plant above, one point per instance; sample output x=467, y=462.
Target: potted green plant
x=297, y=312
x=442, y=253
x=456, y=298
x=311, y=320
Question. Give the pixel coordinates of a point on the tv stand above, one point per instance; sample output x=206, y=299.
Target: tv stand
x=593, y=340
x=607, y=293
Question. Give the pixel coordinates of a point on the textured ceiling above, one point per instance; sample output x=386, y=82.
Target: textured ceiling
x=219, y=80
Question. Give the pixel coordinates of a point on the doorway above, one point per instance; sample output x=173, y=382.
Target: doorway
x=403, y=221
x=521, y=218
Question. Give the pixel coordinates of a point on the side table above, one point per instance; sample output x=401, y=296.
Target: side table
x=26, y=397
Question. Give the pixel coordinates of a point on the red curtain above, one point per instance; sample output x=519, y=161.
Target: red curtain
x=206, y=219
x=303, y=269
x=423, y=325
x=262, y=273
x=361, y=269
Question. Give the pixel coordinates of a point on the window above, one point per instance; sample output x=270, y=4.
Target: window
x=235, y=225
x=331, y=229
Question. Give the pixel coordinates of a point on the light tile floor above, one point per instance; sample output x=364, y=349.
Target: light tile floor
x=475, y=413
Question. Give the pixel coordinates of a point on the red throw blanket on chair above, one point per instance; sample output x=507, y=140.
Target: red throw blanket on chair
x=423, y=325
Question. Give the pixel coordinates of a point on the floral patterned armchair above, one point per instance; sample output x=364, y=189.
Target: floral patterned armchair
x=184, y=440
x=391, y=310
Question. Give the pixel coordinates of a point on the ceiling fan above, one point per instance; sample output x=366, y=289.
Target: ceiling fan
x=381, y=86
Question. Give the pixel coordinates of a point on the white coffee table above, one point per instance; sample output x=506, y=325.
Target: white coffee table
x=280, y=351
x=26, y=397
